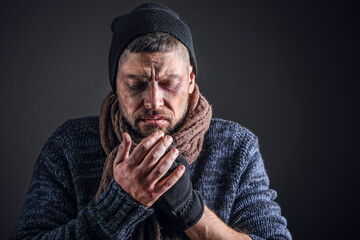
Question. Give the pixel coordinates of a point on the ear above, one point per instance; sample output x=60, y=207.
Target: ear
x=191, y=79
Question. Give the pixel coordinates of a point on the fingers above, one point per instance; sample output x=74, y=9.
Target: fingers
x=163, y=166
x=123, y=150
x=144, y=147
x=145, y=173
x=157, y=152
x=170, y=180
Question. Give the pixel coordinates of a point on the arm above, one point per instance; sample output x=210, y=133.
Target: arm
x=51, y=210
x=211, y=227
x=253, y=212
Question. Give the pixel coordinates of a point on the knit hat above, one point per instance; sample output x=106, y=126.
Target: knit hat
x=146, y=18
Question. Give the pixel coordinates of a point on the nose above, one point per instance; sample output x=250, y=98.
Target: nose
x=153, y=99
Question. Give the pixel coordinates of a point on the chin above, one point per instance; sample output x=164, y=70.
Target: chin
x=145, y=132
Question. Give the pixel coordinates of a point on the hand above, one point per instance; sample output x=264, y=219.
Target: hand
x=140, y=173
x=181, y=207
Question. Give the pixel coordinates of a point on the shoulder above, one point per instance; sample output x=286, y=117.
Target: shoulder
x=75, y=132
x=227, y=143
x=225, y=156
x=79, y=125
x=230, y=134
x=75, y=142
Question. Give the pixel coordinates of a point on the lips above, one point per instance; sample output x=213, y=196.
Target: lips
x=156, y=120
x=152, y=118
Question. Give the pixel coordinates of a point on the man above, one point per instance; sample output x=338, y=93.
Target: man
x=154, y=165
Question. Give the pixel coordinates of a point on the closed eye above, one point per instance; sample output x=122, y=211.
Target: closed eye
x=169, y=83
x=137, y=85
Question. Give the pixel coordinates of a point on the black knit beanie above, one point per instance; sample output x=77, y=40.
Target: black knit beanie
x=146, y=18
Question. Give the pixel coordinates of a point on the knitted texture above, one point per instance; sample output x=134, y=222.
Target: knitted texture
x=229, y=173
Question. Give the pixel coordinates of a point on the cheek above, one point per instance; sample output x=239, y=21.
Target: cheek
x=174, y=91
x=178, y=89
x=129, y=102
x=176, y=99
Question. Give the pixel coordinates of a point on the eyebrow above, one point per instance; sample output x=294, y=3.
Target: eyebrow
x=144, y=78
x=172, y=76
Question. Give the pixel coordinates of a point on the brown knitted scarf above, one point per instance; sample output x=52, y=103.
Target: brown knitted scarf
x=188, y=139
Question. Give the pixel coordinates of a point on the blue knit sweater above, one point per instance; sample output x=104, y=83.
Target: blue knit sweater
x=229, y=173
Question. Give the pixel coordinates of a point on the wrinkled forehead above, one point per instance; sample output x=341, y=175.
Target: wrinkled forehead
x=153, y=64
x=175, y=53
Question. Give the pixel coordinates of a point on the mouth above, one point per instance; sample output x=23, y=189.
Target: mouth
x=156, y=120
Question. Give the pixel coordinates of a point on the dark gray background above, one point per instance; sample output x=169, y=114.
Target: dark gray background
x=287, y=70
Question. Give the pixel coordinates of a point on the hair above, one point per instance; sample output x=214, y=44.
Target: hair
x=157, y=42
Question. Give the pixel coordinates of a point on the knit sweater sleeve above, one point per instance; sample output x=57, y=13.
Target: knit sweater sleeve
x=51, y=210
x=254, y=210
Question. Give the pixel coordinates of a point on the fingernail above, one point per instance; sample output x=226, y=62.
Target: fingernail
x=124, y=135
x=182, y=168
x=169, y=139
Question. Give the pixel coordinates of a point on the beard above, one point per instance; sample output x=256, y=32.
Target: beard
x=138, y=133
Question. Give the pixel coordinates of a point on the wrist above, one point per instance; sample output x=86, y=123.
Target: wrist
x=211, y=226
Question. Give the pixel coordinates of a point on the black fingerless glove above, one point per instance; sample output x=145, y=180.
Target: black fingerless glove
x=181, y=206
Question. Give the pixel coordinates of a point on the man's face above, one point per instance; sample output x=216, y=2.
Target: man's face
x=153, y=90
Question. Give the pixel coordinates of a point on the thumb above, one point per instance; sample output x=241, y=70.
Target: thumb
x=123, y=150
